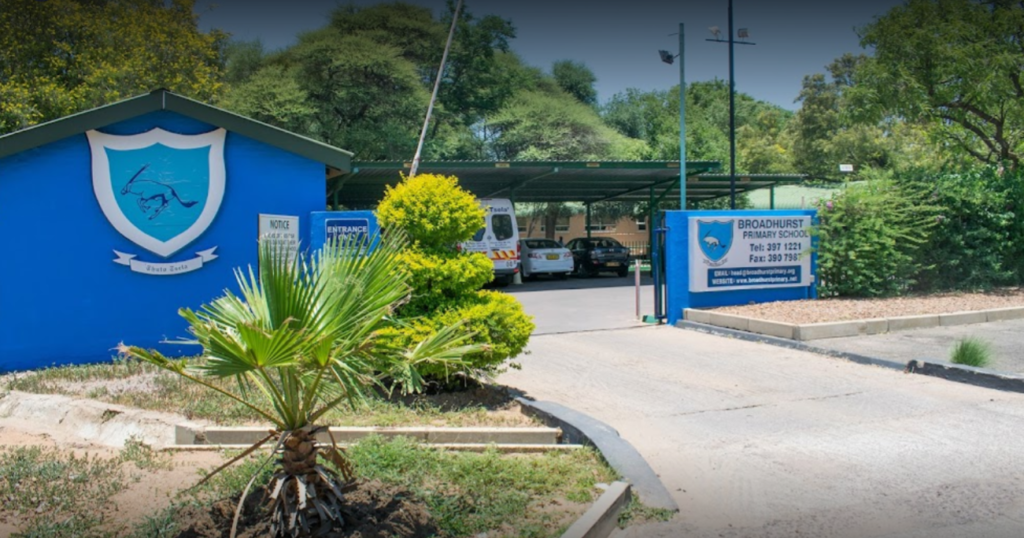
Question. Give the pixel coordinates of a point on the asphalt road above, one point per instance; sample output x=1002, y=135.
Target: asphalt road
x=759, y=441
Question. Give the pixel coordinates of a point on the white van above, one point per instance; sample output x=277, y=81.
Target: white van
x=498, y=239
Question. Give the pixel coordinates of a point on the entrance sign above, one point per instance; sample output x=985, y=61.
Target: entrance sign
x=160, y=190
x=749, y=252
x=326, y=227
x=282, y=232
x=338, y=229
x=723, y=258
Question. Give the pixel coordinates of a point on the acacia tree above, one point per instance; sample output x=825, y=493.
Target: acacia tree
x=957, y=64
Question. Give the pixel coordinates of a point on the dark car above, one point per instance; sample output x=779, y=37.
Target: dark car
x=598, y=254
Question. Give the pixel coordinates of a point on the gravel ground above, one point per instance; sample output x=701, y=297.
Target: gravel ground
x=823, y=310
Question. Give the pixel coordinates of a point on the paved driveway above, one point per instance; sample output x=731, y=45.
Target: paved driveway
x=754, y=440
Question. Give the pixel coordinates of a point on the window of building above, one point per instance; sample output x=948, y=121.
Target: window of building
x=641, y=225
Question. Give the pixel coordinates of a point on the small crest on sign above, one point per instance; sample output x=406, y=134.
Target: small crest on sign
x=715, y=238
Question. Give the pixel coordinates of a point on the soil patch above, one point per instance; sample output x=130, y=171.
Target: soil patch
x=825, y=310
x=372, y=510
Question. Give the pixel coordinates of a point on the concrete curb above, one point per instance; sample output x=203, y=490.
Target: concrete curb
x=982, y=377
x=186, y=435
x=579, y=428
x=603, y=516
x=460, y=447
x=837, y=329
x=791, y=344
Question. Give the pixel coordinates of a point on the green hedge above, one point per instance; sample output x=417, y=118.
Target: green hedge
x=923, y=232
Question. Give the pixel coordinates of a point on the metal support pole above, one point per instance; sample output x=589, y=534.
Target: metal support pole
x=732, y=119
x=771, y=197
x=682, y=122
x=334, y=206
x=587, y=205
x=636, y=285
x=655, y=256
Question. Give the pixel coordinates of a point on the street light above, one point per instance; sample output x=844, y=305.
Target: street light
x=743, y=33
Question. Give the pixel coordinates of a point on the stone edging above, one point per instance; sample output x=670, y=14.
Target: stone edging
x=580, y=428
x=189, y=436
x=981, y=377
x=815, y=331
x=603, y=516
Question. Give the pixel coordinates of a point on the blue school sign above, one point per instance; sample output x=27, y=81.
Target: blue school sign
x=723, y=258
x=117, y=217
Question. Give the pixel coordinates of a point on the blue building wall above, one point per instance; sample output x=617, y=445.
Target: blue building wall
x=677, y=267
x=63, y=299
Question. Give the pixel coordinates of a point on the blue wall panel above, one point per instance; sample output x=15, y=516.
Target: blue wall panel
x=677, y=267
x=63, y=299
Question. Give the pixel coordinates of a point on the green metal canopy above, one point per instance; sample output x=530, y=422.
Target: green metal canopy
x=552, y=181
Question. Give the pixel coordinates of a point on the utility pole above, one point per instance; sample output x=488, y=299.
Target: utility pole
x=433, y=96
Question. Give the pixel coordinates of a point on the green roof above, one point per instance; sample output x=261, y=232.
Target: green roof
x=45, y=133
x=555, y=181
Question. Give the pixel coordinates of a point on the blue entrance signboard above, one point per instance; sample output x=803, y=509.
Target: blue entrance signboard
x=326, y=226
x=722, y=258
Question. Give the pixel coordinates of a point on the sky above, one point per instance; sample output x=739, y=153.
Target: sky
x=619, y=39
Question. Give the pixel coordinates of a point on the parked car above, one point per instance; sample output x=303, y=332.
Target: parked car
x=598, y=254
x=541, y=256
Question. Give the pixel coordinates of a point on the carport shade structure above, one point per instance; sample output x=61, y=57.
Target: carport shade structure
x=552, y=181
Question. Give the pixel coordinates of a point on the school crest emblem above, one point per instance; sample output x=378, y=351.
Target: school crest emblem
x=715, y=238
x=160, y=190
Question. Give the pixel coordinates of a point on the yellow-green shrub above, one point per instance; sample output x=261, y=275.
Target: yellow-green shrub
x=497, y=319
x=438, y=277
x=437, y=214
x=433, y=210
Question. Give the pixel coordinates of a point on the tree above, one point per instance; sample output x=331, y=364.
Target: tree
x=577, y=80
x=538, y=125
x=242, y=59
x=829, y=129
x=302, y=339
x=272, y=95
x=367, y=98
x=64, y=56
x=473, y=83
x=956, y=64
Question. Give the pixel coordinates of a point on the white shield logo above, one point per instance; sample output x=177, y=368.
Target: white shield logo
x=159, y=189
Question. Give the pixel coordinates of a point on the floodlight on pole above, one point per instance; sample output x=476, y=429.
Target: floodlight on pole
x=743, y=33
x=668, y=58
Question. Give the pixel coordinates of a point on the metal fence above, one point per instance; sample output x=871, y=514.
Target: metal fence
x=638, y=250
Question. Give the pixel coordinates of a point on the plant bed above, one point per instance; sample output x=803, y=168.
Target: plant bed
x=848, y=309
x=403, y=490
x=135, y=384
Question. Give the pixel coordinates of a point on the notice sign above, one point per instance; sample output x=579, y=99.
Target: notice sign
x=339, y=229
x=738, y=253
x=281, y=232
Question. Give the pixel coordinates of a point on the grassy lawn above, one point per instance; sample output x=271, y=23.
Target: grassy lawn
x=46, y=493
x=132, y=383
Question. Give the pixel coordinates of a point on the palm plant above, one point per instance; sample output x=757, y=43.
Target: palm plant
x=300, y=340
